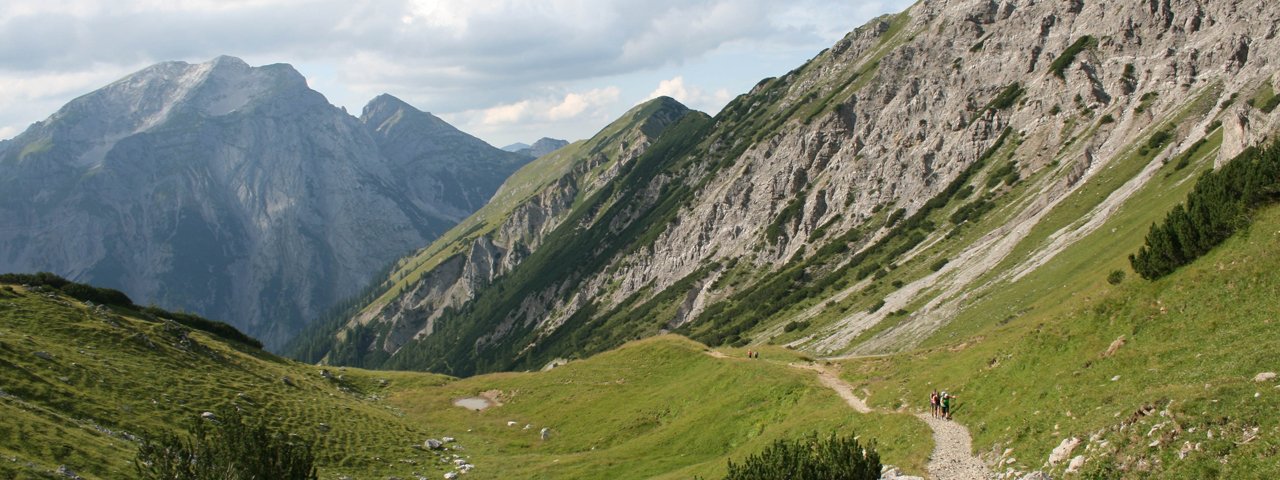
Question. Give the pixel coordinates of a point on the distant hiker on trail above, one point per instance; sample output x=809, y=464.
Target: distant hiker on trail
x=933, y=403
x=946, y=405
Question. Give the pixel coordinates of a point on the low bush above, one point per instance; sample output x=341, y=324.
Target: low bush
x=226, y=447
x=810, y=458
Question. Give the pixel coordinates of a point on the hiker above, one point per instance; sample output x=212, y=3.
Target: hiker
x=933, y=403
x=946, y=405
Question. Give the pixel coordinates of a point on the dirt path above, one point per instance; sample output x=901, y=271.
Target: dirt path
x=842, y=388
x=951, y=458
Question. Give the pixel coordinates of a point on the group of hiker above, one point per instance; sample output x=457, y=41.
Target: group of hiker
x=940, y=404
x=753, y=354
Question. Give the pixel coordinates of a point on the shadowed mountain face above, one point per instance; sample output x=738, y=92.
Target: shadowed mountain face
x=235, y=192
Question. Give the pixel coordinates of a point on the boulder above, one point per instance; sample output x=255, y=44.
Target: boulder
x=1264, y=377
x=65, y=472
x=44, y=355
x=1115, y=346
x=432, y=444
x=447, y=439
x=450, y=475
x=1063, y=451
x=208, y=416
x=1075, y=464
x=544, y=434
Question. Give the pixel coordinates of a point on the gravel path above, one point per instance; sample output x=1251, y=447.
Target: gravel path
x=951, y=458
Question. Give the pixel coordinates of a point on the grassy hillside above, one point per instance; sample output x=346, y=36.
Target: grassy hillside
x=1174, y=398
x=655, y=408
x=79, y=384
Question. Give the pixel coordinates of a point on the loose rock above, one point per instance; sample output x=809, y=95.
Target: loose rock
x=1076, y=464
x=1264, y=377
x=1063, y=451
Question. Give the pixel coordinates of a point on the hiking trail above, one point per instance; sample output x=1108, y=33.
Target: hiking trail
x=951, y=458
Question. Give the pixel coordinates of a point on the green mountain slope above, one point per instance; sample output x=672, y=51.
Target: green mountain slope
x=80, y=384
x=1156, y=378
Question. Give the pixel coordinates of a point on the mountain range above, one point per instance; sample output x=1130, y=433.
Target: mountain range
x=235, y=192
x=859, y=204
x=1062, y=215
x=539, y=148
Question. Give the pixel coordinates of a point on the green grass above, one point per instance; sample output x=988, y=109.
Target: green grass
x=114, y=372
x=1265, y=98
x=1193, y=342
x=657, y=408
x=1060, y=64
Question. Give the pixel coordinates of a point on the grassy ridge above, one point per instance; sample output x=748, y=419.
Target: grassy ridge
x=79, y=384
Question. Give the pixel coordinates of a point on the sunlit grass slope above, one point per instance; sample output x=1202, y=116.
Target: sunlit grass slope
x=1174, y=398
x=660, y=407
x=80, y=383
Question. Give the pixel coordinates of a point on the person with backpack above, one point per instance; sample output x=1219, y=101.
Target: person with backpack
x=946, y=405
x=933, y=403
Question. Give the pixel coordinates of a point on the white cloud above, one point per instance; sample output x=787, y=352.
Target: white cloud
x=448, y=55
x=576, y=103
x=546, y=109
x=501, y=114
x=694, y=97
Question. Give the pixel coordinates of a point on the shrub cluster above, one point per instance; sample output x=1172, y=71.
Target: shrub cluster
x=811, y=458
x=1218, y=206
x=225, y=448
x=1060, y=64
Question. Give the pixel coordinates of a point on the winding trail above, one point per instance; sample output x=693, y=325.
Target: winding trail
x=951, y=458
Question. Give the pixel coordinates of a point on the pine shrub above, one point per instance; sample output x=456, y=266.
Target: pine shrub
x=1218, y=206
x=810, y=458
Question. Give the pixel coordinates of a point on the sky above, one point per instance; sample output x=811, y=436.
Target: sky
x=503, y=70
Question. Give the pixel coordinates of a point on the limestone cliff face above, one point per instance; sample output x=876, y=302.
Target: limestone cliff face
x=866, y=160
x=234, y=191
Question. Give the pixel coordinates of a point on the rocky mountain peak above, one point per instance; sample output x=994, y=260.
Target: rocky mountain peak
x=386, y=112
x=234, y=191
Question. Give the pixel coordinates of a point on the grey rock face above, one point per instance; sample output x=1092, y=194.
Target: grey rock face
x=235, y=192
x=883, y=121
